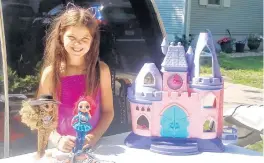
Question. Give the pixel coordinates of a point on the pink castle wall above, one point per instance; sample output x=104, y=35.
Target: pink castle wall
x=192, y=105
x=136, y=114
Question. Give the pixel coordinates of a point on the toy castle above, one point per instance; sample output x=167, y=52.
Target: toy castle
x=178, y=112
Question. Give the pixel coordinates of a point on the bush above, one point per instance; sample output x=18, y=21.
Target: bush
x=17, y=84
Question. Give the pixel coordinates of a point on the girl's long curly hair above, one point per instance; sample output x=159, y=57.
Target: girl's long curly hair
x=55, y=54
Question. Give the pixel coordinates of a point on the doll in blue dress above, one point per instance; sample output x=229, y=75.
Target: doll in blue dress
x=80, y=122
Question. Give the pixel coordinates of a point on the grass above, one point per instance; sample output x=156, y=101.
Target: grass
x=256, y=147
x=245, y=70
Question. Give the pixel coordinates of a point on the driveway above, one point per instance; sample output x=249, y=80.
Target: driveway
x=237, y=94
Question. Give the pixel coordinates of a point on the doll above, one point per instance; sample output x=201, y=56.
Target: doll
x=40, y=114
x=80, y=122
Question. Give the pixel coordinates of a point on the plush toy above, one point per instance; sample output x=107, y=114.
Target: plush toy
x=41, y=115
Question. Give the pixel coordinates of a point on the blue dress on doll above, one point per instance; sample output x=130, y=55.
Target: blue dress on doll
x=81, y=127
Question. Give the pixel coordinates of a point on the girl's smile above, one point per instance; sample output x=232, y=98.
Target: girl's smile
x=77, y=41
x=77, y=50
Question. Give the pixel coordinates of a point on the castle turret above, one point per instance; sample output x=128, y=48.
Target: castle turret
x=208, y=83
x=146, y=89
x=190, y=57
x=147, y=84
x=164, y=46
x=210, y=88
x=175, y=68
x=175, y=60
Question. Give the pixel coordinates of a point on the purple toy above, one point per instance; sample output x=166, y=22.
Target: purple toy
x=178, y=112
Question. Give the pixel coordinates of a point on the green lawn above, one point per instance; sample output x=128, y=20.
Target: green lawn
x=244, y=70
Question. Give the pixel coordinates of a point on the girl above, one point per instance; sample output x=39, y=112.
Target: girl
x=72, y=69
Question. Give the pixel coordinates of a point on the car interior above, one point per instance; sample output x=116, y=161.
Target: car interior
x=131, y=36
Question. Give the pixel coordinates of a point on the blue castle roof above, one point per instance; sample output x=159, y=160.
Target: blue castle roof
x=175, y=60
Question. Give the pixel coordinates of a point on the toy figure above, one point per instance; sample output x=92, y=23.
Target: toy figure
x=40, y=114
x=80, y=122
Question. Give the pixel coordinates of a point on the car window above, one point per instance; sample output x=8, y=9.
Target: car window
x=116, y=14
x=125, y=45
x=21, y=10
x=56, y=10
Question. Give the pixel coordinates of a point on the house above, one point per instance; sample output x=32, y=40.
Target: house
x=179, y=103
x=241, y=17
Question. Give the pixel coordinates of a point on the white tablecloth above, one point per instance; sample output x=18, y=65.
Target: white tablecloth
x=112, y=148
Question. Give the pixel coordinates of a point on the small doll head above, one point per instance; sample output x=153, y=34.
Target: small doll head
x=85, y=105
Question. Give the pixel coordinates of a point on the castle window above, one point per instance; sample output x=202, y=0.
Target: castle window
x=209, y=125
x=149, y=79
x=209, y=101
x=142, y=109
x=148, y=109
x=137, y=108
x=142, y=123
x=175, y=82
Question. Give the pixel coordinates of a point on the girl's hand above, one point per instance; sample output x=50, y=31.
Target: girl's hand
x=66, y=143
x=90, y=141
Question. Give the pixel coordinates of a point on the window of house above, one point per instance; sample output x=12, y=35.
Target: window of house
x=214, y=2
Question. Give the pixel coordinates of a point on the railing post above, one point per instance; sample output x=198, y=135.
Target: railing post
x=6, y=97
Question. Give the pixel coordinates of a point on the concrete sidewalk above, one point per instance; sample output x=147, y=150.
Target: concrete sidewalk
x=238, y=94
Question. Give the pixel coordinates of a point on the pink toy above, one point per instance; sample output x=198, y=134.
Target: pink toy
x=178, y=112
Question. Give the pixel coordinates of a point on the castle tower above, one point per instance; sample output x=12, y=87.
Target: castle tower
x=175, y=68
x=143, y=92
x=210, y=89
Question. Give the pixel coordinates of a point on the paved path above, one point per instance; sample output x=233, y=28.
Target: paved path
x=247, y=53
x=237, y=94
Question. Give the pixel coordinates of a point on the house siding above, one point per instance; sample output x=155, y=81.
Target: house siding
x=241, y=18
x=172, y=14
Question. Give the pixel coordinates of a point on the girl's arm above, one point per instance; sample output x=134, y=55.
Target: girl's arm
x=45, y=87
x=45, y=84
x=107, y=108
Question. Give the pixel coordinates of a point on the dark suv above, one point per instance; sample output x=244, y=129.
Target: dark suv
x=132, y=33
x=130, y=23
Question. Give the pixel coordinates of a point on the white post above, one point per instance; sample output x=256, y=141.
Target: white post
x=6, y=98
x=188, y=18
